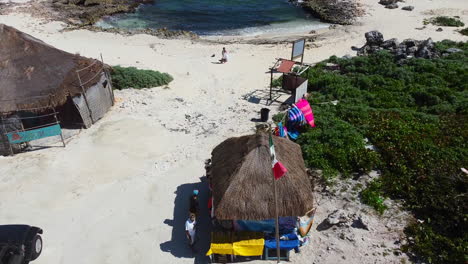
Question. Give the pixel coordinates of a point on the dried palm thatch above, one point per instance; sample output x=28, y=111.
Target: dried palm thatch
x=34, y=74
x=242, y=179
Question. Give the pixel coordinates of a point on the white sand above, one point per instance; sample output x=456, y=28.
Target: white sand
x=114, y=193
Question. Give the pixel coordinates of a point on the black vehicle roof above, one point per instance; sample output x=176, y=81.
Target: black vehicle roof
x=14, y=234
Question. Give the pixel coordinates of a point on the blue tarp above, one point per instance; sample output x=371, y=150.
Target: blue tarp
x=292, y=243
x=286, y=225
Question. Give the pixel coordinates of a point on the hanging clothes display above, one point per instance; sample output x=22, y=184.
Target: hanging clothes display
x=295, y=116
x=305, y=108
x=281, y=131
x=295, y=121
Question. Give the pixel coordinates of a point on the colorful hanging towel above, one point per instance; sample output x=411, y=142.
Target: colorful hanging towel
x=293, y=134
x=305, y=108
x=295, y=117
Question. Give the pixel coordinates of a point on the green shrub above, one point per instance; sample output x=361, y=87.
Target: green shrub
x=415, y=115
x=464, y=31
x=335, y=146
x=131, y=77
x=278, y=117
x=445, y=21
x=373, y=196
x=278, y=82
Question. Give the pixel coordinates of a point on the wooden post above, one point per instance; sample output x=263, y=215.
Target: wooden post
x=5, y=133
x=278, y=251
x=271, y=85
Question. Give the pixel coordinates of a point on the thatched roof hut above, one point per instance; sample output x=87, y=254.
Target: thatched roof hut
x=242, y=179
x=34, y=74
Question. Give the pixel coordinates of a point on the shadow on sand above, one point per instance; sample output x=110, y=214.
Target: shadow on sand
x=178, y=245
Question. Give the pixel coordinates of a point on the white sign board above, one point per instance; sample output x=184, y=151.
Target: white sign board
x=298, y=48
x=300, y=91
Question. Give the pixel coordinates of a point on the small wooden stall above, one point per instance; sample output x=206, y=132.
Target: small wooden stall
x=243, y=199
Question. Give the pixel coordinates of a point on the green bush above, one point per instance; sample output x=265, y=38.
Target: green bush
x=131, y=77
x=415, y=115
x=445, y=21
x=373, y=196
x=464, y=31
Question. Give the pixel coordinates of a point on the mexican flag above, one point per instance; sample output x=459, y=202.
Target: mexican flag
x=278, y=169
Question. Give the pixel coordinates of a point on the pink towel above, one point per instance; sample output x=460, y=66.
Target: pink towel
x=305, y=108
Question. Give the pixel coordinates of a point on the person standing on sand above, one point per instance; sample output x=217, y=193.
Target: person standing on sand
x=190, y=229
x=224, y=56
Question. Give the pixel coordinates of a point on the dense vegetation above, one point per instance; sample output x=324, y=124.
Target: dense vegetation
x=415, y=115
x=445, y=21
x=131, y=77
x=464, y=31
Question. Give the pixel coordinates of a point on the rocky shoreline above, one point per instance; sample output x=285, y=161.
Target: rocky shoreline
x=343, y=12
x=88, y=12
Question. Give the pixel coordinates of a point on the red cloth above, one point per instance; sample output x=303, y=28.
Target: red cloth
x=286, y=66
x=279, y=170
x=210, y=202
x=305, y=108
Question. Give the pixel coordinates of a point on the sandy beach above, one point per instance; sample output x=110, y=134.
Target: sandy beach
x=117, y=193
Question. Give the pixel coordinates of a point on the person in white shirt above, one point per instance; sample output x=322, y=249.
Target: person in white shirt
x=190, y=229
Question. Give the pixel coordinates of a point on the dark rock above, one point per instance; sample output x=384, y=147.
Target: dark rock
x=439, y=30
x=387, y=2
x=412, y=50
x=410, y=42
x=408, y=8
x=391, y=6
x=338, y=217
x=390, y=43
x=374, y=38
x=424, y=52
x=361, y=222
x=400, y=54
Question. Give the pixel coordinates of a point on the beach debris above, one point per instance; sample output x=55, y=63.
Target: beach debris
x=439, y=30
x=408, y=8
x=392, y=6
x=387, y=2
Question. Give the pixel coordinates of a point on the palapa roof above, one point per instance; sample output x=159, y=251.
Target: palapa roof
x=242, y=179
x=31, y=71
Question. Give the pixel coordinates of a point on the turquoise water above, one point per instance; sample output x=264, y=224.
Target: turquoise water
x=218, y=17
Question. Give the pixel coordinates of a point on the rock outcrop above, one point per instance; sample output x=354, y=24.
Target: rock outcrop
x=343, y=12
x=408, y=48
x=88, y=12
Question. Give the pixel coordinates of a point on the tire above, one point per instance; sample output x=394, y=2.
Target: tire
x=36, y=247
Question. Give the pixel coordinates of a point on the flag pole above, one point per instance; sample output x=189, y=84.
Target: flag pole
x=276, y=223
x=278, y=254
